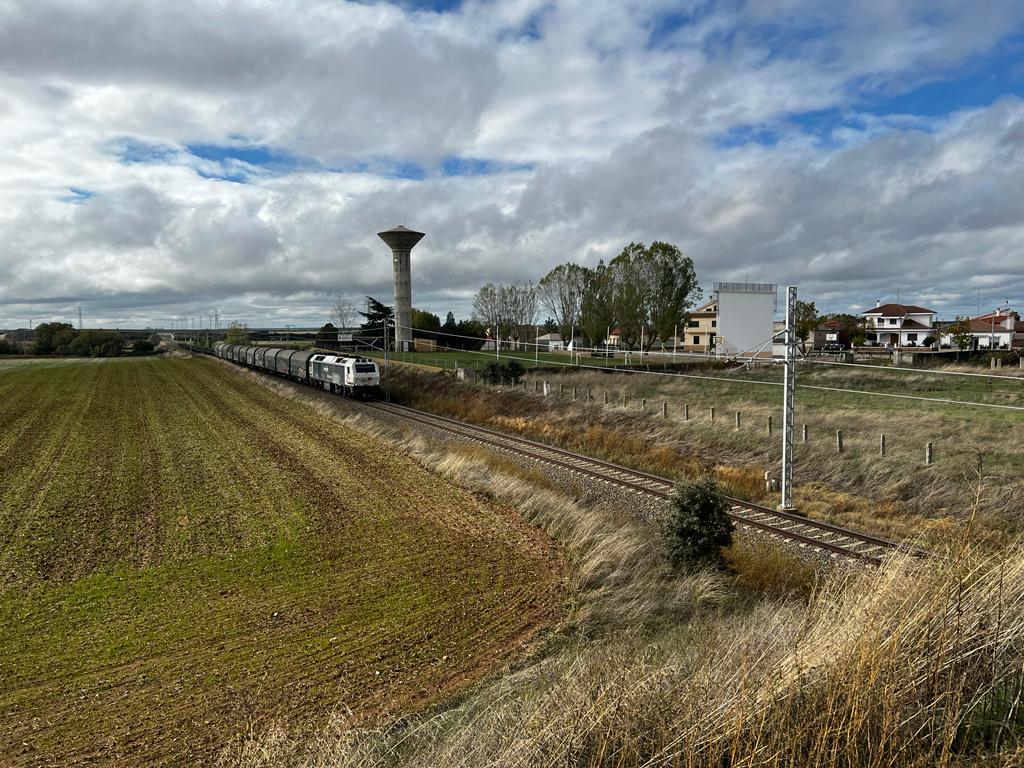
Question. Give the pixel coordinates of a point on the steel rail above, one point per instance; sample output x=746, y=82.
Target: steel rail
x=740, y=511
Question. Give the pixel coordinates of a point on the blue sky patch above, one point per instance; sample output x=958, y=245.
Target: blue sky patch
x=740, y=135
x=78, y=195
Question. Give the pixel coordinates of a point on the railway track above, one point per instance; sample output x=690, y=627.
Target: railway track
x=824, y=537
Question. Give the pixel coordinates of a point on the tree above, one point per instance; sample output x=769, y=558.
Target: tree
x=343, y=314
x=520, y=306
x=377, y=312
x=238, y=333
x=699, y=525
x=960, y=334
x=561, y=293
x=327, y=332
x=154, y=339
x=46, y=340
x=596, y=315
x=505, y=309
x=142, y=347
x=653, y=290
x=807, y=319
x=425, y=321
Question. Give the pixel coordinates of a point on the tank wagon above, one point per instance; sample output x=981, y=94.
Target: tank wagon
x=351, y=376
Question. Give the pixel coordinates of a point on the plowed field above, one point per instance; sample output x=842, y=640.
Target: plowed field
x=184, y=554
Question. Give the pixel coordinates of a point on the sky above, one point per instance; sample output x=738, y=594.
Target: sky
x=161, y=159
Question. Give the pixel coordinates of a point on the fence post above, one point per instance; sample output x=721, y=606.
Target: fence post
x=561, y=387
x=664, y=410
x=769, y=426
x=589, y=396
x=623, y=399
x=839, y=441
x=643, y=404
x=686, y=411
x=574, y=393
x=712, y=414
x=928, y=453
x=606, y=398
x=881, y=444
x=737, y=419
x=803, y=434
x=980, y=468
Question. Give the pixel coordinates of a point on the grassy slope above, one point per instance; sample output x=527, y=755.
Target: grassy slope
x=183, y=551
x=896, y=496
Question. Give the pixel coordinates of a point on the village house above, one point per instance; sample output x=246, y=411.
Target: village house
x=1001, y=329
x=899, y=325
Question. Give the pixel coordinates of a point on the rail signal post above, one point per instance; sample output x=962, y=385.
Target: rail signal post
x=789, y=401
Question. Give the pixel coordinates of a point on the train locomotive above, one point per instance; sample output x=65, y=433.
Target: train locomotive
x=344, y=374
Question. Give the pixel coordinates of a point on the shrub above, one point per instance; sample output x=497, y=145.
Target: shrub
x=502, y=373
x=142, y=347
x=699, y=525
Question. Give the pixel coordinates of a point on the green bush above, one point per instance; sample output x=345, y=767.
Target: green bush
x=502, y=373
x=699, y=525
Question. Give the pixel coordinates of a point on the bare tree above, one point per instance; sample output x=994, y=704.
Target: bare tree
x=344, y=312
x=505, y=309
x=520, y=302
x=487, y=308
x=561, y=293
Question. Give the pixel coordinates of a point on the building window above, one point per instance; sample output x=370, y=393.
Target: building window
x=714, y=323
x=892, y=321
x=911, y=337
x=693, y=324
x=696, y=339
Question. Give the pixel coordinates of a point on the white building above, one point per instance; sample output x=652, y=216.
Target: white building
x=745, y=318
x=899, y=325
x=551, y=341
x=1001, y=329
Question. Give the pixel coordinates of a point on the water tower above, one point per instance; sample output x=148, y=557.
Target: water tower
x=401, y=241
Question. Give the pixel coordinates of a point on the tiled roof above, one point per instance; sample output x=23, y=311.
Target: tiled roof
x=895, y=310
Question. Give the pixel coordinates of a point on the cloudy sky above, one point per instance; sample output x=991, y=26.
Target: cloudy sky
x=159, y=159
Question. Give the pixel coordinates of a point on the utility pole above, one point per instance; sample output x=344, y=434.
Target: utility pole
x=79, y=318
x=789, y=400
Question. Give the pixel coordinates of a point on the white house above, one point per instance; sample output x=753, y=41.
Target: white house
x=551, y=341
x=1001, y=329
x=899, y=325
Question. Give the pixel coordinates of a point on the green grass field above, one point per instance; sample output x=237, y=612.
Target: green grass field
x=184, y=553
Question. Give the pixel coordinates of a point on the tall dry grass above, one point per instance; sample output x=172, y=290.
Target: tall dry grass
x=917, y=663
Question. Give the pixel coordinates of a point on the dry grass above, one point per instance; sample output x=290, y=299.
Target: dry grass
x=913, y=664
x=896, y=496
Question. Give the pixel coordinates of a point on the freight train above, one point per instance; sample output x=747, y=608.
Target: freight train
x=347, y=375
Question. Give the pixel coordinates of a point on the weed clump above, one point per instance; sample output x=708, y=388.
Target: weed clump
x=698, y=526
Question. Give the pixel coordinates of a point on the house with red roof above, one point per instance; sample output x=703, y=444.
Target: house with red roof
x=1001, y=329
x=899, y=325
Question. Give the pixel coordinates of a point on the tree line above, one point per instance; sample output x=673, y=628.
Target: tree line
x=646, y=292
x=65, y=339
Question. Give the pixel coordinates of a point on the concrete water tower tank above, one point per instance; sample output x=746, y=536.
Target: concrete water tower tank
x=401, y=241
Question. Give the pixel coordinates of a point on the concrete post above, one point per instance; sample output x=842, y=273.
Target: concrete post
x=803, y=434
x=737, y=419
x=928, y=453
x=606, y=398
x=643, y=404
x=574, y=393
x=769, y=426
x=712, y=415
x=664, y=410
x=881, y=444
x=686, y=411
x=623, y=399
x=839, y=441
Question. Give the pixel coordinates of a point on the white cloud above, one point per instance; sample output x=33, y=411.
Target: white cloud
x=619, y=140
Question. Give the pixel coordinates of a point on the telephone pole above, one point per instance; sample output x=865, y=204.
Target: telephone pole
x=79, y=318
x=789, y=400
